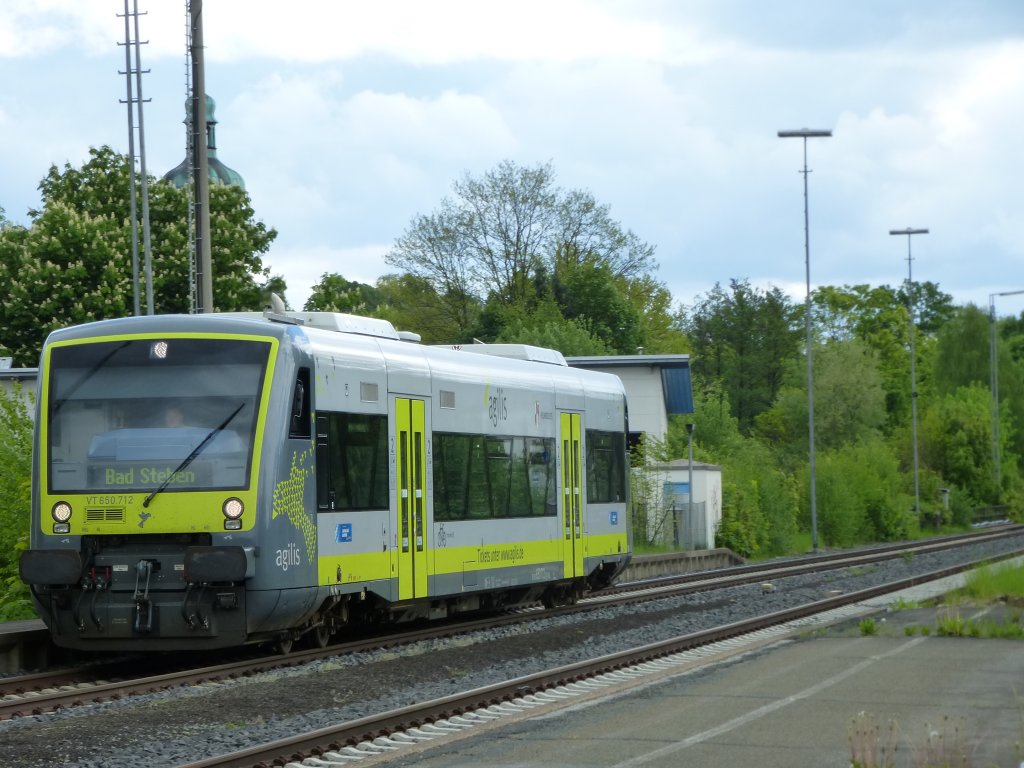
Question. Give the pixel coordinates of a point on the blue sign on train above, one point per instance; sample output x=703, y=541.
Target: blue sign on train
x=614, y=517
x=343, y=533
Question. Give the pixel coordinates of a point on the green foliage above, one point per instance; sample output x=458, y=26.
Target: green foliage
x=962, y=352
x=412, y=304
x=859, y=495
x=716, y=430
x=336, y=294
x=868, y=626
x=877, y=317
x=757, y=482
x=956, y=441
x=745, y=339
x=570, y=337
x=849, y=403
x=963, y=358
x=73, y=265
x=759, y=500
x=993, y=582
x=15, y=501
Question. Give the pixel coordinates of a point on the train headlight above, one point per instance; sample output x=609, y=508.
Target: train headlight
x=61, y=512
x=233, y=508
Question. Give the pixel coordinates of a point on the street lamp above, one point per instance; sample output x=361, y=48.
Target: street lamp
x=993, y=368
x=805, y=134
x=909, y=232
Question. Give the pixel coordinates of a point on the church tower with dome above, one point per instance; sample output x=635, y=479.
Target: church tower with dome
x=219, y=173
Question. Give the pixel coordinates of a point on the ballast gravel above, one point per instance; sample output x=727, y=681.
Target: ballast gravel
x=180, y=726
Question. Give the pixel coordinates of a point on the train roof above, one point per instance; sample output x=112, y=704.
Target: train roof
x=278, y=324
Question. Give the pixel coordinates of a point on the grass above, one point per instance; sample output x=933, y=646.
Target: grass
x=989, y=584
x=995, y=582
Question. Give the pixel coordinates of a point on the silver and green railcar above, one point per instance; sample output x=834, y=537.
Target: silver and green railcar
x=211, y=480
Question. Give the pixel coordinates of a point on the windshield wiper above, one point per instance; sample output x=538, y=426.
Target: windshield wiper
x=195, y=452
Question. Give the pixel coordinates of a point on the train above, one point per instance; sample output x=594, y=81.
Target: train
x=215, y=480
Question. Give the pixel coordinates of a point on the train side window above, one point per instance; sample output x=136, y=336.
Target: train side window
x=479, y=477
x=541, y=476
x=352, y=461
x=299, y=423
x=462, y=483
x=606, y=467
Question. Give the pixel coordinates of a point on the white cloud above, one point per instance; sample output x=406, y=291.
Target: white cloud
x=425, y=33
x=348, y=119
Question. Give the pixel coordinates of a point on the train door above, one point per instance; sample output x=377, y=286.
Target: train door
x=572, y=494
x=411, y=472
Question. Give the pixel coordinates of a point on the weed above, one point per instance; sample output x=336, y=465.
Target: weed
x=871, y=745
x=950, y=623
x=903, y=605
x=944, y=745
x=868, y=626
x=910, y=630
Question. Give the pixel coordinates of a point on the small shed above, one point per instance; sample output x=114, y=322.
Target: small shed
x=691, y=526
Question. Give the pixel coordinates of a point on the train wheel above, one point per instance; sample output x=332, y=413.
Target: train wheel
x=284, y=645
x=321, y=636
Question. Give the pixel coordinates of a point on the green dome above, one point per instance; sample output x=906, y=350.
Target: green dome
x=219, y=173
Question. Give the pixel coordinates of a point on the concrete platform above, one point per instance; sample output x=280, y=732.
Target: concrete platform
x=815, y=700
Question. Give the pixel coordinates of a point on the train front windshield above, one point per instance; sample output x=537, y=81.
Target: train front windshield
x=172, y=414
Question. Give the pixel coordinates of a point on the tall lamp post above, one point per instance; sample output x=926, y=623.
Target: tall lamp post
x=805, y=134
x=993, y=353
x=910, y=232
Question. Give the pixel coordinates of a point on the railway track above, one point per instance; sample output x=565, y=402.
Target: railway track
x=45, y=692
x=391, y=731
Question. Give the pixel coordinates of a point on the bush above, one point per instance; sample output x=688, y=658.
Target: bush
x=15, y=499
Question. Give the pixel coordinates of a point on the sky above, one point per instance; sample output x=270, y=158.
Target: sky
x=347, y=120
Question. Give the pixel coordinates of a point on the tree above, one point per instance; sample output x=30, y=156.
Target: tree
x=957, y=441
x=72, y=264
x=848, y=396
x=512, y=238
x=963, y=359
x=745, y=338
x=570, y=337
x=336, y=294
x=878, y=316
x=412, y=304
